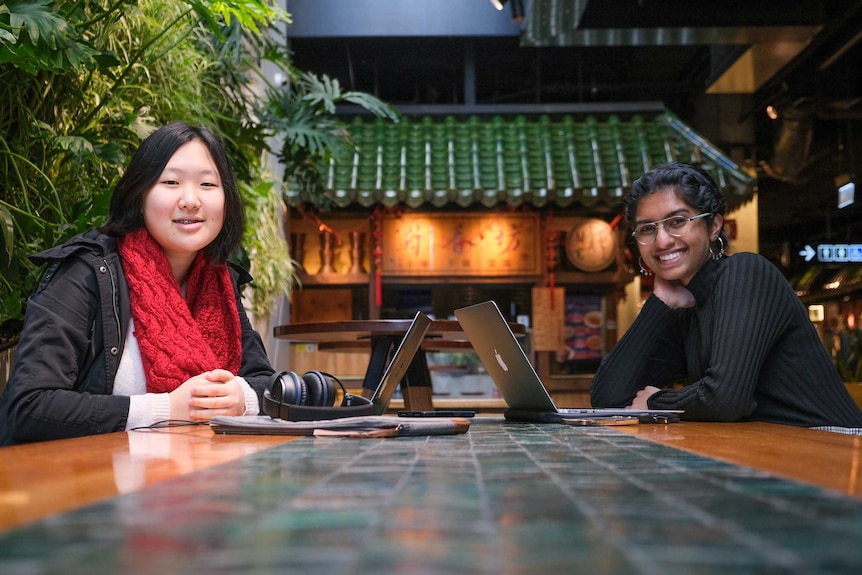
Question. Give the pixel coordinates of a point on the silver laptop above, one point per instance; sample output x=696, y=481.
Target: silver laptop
x=397, y=367
x=518, y=382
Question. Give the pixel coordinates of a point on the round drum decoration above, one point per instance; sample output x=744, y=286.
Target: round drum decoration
x=591, y=245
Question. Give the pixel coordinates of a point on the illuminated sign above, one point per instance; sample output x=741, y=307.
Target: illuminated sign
x=846, y=195
x=833, y=253
x=459, y=244
x=846, y=190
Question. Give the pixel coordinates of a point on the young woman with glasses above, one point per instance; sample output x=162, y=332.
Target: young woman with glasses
x=724, y=338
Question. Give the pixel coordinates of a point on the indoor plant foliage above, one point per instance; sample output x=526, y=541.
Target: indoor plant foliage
x=82, y=83
x=86, y=81
x=303, y=113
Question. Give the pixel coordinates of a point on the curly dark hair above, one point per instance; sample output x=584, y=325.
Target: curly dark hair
x=691, y=184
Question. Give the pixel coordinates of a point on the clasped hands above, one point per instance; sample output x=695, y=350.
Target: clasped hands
x=202, y=397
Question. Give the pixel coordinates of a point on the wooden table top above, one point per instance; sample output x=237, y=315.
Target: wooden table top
x=41, y=479
x=822, y=458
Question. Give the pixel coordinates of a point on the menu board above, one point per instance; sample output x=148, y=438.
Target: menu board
x=584, y=322
x=461, y=245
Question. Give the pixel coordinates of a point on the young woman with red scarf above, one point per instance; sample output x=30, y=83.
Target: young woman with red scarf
x=141, y=321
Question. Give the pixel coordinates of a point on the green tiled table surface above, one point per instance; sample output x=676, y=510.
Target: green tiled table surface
x=503, y=498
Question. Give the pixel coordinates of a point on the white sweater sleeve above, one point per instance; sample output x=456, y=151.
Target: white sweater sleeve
x=147, y=409
x=252, y=405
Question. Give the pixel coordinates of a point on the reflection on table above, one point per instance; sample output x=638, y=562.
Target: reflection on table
x=50, y=477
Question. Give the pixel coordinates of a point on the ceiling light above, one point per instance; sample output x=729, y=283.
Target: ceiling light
x=517, y=6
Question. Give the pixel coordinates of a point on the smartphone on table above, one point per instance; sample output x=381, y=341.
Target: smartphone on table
x=438, y=413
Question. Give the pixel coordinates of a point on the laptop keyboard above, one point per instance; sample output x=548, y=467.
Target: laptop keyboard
x=503, y=498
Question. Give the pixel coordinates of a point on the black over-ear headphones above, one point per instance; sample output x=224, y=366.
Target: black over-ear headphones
x=309, y=397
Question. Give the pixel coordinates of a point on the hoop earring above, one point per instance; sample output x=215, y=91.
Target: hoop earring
x=720, y=254
x=644, y=270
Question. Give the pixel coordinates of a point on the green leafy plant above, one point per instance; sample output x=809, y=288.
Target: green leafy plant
x=83, y=82
x=265, y=251
x=304, y=114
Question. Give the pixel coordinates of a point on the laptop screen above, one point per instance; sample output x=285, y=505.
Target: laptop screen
x=397, y=368
x=503, y=357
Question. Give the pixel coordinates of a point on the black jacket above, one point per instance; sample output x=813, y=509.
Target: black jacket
x=73, y=338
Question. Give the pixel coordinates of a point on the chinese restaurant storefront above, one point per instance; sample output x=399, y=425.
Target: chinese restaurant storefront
x=435, y=213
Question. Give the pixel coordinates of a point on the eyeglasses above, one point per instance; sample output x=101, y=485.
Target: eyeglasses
x=645, y=234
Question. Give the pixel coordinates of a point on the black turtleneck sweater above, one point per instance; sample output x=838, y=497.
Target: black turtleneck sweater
x=746, y=351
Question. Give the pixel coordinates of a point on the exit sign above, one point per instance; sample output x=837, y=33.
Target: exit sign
x=833, y=253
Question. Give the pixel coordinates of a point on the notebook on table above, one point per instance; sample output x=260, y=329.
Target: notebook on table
x=517, y=380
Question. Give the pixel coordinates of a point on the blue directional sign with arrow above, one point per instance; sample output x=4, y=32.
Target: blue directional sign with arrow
x=833, y=253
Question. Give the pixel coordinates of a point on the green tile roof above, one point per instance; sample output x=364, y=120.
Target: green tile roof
x=533, y=160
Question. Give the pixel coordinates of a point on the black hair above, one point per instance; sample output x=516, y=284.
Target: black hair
x=690, y=183
x=127, y=202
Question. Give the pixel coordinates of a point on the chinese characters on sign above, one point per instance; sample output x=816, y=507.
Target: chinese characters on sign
x=461, y=244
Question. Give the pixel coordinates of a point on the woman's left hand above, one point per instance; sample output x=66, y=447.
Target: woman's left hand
x=640, y=400
x=223, y=395
x=673, y=293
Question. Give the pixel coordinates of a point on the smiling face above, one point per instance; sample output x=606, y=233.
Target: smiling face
x=184, y=210
x=670, y=257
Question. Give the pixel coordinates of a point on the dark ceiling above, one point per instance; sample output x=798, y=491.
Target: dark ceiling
x=716, y=65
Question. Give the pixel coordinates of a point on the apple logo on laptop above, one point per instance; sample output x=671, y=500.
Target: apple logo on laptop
x=500, y=360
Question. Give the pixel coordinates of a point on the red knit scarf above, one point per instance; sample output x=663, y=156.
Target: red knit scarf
x=179, y=337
